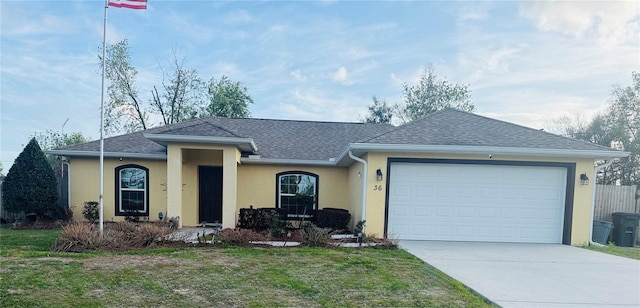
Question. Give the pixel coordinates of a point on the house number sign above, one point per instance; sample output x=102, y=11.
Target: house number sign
x=377, y=187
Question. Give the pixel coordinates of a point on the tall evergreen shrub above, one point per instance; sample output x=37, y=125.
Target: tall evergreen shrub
x=30, y=185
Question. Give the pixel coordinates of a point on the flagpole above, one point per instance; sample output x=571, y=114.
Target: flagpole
x=104, y=63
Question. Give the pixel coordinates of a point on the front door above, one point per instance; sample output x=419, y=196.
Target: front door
x=210, y=194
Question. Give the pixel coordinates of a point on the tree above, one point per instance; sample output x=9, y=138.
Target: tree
x=182, y=94
x=125, y=110
x=624, y=126
x=1, y=170
x=50, y=140
x=619, y=128
x=30, y=185
x=432, y=94
x=228, y=98
x=379, y=112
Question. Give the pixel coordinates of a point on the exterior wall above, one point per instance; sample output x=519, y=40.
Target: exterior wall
x=581, y=203
x=183, y=161
x=257, y=185
x=355, y=192
x=252, y=184
x=85, y=173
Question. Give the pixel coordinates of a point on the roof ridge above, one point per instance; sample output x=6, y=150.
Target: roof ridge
x=530, y=128
x=204, y=121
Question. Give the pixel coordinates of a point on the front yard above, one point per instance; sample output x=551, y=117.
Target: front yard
x=627, y=252
x=31, y=275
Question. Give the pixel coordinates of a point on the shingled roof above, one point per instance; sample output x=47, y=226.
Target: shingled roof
x=455, y=127
x=276, y=139
x=321, y=141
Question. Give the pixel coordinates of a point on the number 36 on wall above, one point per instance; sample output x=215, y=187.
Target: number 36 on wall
x=377, y=187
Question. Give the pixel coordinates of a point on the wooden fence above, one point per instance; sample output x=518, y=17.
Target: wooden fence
x=615, y=198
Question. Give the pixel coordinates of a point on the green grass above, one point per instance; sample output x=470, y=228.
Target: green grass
x=30, y=275
x=627, y=252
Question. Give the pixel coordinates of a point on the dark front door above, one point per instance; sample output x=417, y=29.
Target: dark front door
x=210, y=194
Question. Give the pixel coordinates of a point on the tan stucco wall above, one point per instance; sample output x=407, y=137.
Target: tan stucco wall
x=257, y=185
x=582, y=193
x=84, y=173
x=339, y=187
x=183, y=161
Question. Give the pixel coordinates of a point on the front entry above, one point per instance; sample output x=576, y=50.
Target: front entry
x=210, y=194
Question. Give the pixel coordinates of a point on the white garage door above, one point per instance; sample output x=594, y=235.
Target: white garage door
x=462, y=202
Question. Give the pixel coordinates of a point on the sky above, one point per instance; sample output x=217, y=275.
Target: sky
x=525, y=62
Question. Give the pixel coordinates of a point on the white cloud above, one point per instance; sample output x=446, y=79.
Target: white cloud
x=612, y=21
x=342, y=76
x=297, y=74
x=238, y=17
x=312, y=104
x=191, y=28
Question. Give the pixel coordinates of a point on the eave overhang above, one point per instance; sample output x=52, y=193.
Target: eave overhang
x=244, y=144
x=70, y=153
x=360, y=149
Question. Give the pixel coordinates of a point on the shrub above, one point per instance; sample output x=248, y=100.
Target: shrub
x=82, y=236
x=336, y=219
x=277, y=227
x=239, y=236
x=91, y=211
x=78, y=237
x=315, y=237
x=259, y=219
x=30, y=185
x=357, y=230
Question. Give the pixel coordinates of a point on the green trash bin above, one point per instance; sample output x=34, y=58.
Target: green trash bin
x=625, y=228
x=601, y=230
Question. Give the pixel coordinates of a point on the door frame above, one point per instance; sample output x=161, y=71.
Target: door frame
x=220, y=175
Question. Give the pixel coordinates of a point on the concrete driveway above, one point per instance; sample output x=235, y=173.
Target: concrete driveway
x=535, y=275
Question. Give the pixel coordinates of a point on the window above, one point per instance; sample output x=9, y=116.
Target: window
x=132, y=191
x=297, y=193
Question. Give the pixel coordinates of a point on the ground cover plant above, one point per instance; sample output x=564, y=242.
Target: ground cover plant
x=34, y=276
x=627, y=252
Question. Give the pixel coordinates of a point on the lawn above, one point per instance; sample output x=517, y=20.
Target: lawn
x=33, y=276
x=627, y=252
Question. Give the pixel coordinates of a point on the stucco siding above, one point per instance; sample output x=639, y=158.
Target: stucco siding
x=257, y=185
x=84, y=173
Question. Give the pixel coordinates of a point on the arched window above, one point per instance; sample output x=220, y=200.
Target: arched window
x=297, y=192
x=132, y=190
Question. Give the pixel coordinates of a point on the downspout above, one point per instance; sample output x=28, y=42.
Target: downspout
x=364, y=186
x=593, y=201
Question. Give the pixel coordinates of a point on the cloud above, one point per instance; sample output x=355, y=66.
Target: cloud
x=190, y=28
x=342, y=76
x=297, y=75
x=612, y=21
x=238, y=17
x=313, y=104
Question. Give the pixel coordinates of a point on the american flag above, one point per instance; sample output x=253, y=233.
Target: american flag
x=130, y=4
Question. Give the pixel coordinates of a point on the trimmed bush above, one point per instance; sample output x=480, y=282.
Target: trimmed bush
x=238, y=236
x=336, y=219
x=260, y=219
x=91, y=211
x=30, y=185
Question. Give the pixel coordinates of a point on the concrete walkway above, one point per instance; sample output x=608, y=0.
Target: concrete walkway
x=535, y=275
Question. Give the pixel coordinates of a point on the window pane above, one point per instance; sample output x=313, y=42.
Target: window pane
x=132, y=178
x=132, y=201
x=298, y=184
x=307, y=186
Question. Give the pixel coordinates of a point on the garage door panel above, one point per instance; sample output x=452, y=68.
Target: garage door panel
x=476, y=202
